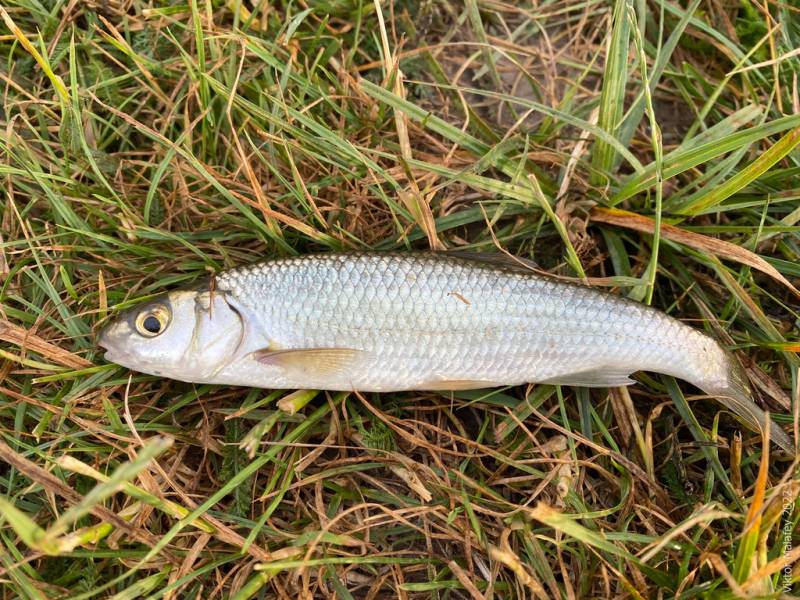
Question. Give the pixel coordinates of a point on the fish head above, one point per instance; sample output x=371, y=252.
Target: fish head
x=186, y=335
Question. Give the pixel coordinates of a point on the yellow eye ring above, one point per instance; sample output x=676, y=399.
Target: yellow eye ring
x=152, y=322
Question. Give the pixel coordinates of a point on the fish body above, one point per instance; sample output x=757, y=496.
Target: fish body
x=418, y=321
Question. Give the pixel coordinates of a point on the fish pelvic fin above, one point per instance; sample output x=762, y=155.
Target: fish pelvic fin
x=737, y=396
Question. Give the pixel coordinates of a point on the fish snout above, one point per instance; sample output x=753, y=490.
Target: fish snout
x=108, y=339
x=102, y=338
x=104, y=342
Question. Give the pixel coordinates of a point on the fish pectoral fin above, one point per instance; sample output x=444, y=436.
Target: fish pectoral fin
x=320, y=361
x=598, y=377
x=456, y=384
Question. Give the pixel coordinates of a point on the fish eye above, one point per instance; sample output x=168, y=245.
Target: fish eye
x=152, y=321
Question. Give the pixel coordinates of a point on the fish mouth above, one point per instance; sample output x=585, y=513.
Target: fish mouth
x=112, y=354
x=118, y=357
x=103, y=341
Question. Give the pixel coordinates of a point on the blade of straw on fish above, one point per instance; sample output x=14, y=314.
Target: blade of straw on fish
x=721, y=248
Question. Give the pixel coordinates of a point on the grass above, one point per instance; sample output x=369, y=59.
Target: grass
x=651, y=147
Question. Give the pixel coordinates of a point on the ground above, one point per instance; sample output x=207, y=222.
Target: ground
x=646, y=147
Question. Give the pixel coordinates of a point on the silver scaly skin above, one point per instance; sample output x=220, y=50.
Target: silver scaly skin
x=419, y=321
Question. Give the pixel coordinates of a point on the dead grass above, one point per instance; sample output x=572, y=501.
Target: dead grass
x=144, y=146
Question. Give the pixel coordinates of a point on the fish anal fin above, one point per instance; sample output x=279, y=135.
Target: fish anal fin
x=597, y=377
x=319, y=361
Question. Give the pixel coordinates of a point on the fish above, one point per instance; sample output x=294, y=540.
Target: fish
x=387, y=322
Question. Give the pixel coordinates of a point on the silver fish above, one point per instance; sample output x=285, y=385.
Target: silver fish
x=418, y=321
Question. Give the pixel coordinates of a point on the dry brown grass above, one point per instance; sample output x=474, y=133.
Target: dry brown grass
x=143, y=147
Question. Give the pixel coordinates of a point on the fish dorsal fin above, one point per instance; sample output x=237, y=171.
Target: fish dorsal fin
x=496, y=259
x=596, y=377
x=309, y=361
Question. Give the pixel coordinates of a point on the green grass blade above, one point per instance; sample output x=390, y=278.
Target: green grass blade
x=615, y=77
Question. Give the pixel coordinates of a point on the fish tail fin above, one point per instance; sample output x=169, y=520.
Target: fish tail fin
x=737, y=396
